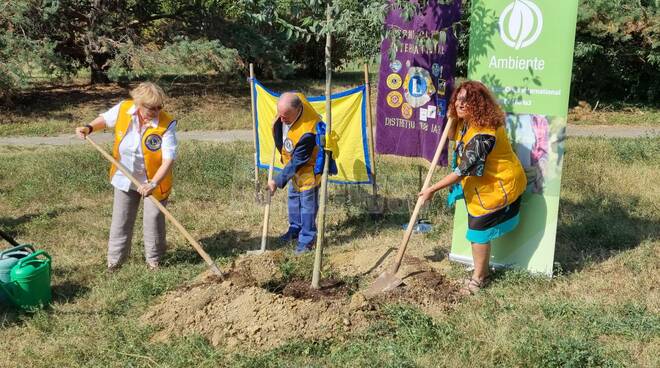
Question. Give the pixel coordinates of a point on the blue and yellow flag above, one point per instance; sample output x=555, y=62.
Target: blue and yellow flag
x=348, y=140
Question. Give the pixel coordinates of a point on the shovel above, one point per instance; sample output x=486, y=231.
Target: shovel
x=162, y=208
x=264, y=230
x=388, y=280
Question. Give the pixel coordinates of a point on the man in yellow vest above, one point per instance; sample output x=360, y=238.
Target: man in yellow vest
x=299, y=135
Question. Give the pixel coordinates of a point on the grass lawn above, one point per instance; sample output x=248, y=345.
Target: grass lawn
x=647, y=116
x=602, y=308
x=208, y=104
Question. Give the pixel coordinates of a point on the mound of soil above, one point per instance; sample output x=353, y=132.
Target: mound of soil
x=423, y=285
x=254, y=309
x=428, y=290
x=251, y=317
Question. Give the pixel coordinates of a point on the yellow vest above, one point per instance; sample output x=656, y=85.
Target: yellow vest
x=304, y=179
x=503, y=180
x=151, y=144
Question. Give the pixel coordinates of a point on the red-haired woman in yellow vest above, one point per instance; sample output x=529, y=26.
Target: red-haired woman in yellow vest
x=145, y=143
x=490, y=175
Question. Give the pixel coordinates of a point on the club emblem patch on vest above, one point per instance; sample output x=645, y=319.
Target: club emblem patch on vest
x=288, y=145
x=153, y=142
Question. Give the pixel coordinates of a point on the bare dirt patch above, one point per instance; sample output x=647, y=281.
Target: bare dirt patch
x=252, y=317
x=255, y=308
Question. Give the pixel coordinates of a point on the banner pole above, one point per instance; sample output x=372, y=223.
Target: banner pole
x=318, y=256
x=371, y=132
x=254, y=133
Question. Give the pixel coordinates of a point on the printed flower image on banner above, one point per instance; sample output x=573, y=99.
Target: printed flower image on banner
x=536, y=139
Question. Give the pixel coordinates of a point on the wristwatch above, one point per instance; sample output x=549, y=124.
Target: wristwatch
x=152, y=184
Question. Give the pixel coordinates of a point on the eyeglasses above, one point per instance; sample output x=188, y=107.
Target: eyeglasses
x=462, y=100
x=152, y=108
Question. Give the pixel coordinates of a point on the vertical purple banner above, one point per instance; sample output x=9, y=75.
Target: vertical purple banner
x=414, y=87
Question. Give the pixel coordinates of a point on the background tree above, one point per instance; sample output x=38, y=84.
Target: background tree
x=616, y=50
x=24, y=48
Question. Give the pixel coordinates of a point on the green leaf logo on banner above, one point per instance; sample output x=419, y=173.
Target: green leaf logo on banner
x=520, y=24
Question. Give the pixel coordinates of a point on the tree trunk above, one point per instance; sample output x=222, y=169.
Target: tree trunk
x=99, y=68
x=320, y=236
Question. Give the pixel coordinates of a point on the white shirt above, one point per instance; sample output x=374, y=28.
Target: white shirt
x=285, y=131
x=130, y=148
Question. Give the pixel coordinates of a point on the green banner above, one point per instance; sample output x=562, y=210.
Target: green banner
x=523, y=51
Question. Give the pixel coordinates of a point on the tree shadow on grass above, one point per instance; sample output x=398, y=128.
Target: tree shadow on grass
x=224, y=244
x=49, y=100
x=10, y=225
x=10, y=317
x=67, y=289
x=62, y=293
x=595, y=229
x=364, y=214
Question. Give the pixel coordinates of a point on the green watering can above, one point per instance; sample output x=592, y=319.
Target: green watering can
x=29, y=287
x=8, y=259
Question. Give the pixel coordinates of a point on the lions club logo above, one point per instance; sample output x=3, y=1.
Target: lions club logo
x=394, y=99
x=418, y=86
x=288, y=145
x=393, y=81
x=153, y=142
x=406, y=111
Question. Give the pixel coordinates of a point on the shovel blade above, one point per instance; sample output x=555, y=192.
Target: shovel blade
x=255, y=252
x=385, y=282
x=216, y=271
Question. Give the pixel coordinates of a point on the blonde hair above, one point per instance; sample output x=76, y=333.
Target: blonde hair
x=148, y=94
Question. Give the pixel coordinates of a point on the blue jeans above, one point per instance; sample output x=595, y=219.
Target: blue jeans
x=303, y=207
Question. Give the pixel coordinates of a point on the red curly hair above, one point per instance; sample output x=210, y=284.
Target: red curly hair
x=482, y=108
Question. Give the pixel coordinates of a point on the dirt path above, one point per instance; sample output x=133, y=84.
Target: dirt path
x=246, y=135
x=610, y=131
x=67, y=139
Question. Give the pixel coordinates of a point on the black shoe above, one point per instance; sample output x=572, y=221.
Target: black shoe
x=289, y=236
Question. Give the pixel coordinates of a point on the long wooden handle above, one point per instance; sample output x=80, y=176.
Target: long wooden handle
x=264, y=231
x=162, y=208
x=371, y=129
x=254, y=131
x=418, y=205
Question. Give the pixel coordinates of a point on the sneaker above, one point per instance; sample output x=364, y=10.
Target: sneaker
x=289, y=236
x=302, y=249
x=153, y=266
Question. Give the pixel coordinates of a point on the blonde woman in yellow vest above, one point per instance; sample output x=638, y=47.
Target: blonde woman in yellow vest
x=298, y=133
x=145, y=143
x=490, y=175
